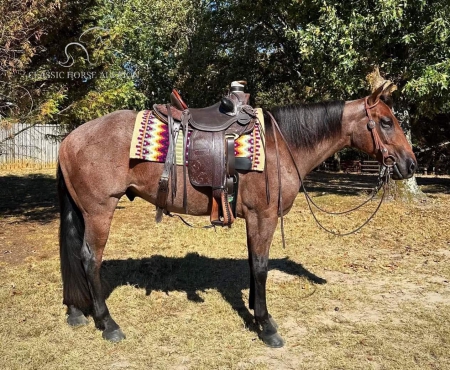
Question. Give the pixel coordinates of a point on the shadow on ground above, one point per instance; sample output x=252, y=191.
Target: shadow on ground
x=354, y=184
x=32, y=197
x=194, y=273
x=340, y=183
x=431, y=185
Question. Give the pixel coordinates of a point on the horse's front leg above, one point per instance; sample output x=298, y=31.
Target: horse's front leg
x=259, y=238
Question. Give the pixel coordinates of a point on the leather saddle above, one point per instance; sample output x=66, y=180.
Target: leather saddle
x=211, y=161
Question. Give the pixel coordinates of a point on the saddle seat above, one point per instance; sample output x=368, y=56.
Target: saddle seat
x=211, y=162
x=214, y=118
x=210, y=118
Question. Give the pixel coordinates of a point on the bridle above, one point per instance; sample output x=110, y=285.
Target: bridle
x=388, y=163
x=388, y=160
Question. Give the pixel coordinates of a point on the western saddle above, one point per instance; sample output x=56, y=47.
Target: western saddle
x=209, y=135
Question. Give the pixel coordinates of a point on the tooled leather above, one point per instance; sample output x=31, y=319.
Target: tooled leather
x=206, y=159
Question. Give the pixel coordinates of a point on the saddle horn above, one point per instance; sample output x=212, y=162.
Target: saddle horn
x=226, y=105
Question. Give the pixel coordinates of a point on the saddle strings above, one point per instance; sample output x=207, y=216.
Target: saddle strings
x=184, y=125
x=383, y=179
x=280, y=196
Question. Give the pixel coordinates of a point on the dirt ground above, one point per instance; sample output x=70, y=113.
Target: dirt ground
x=379, y=299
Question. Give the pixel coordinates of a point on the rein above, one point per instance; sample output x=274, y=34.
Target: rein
x=383, y=177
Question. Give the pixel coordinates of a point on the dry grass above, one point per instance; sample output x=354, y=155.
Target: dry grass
x=179, y=293
x=26, y=165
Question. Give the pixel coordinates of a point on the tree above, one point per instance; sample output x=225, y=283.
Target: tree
x=409, y=41
x=63, y=67
x=324, y=49
x=22, y=25
x=302, y=51
x=32, y=32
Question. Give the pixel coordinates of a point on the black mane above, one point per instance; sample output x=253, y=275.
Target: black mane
x=305, y=125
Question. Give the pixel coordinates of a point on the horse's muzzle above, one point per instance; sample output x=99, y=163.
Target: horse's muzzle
x=404, y=170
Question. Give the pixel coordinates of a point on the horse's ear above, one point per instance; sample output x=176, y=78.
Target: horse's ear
x=387, y=99
x=376, y=95
x=388, y=87
x=386, y=95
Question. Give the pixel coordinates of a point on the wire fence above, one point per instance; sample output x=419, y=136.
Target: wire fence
x=34, y=146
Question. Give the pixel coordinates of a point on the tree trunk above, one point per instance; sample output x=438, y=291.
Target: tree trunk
x=407, y=190
x=337, y=161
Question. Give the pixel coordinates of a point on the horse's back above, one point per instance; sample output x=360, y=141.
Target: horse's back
x=115, y=124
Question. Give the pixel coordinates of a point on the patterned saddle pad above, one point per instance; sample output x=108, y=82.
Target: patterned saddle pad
x=150, y=142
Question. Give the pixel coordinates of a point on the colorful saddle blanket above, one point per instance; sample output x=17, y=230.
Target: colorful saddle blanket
x=150, y=142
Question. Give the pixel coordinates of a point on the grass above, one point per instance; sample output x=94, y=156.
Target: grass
x=180, y=294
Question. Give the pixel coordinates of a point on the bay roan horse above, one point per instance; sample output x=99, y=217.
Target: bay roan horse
x=95, y=172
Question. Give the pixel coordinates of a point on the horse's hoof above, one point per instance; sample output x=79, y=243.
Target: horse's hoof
x=78, y=320
x=113, y=336
x=273, y=340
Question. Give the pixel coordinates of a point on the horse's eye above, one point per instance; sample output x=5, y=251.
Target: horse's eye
x=386, y=122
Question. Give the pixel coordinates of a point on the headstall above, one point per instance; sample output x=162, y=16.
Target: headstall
x=388, y=160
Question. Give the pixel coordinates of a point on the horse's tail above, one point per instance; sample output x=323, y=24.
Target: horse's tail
x=71, y=234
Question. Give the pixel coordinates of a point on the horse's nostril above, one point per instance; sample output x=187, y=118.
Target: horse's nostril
x=412, y=167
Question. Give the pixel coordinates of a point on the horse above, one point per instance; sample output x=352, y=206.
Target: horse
x=95, y=171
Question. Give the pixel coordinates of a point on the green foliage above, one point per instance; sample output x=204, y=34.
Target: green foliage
x=340, y=43
x=149, y=38
x=22, y=24
x=33, y=32
x=108, y=96
x=289, y=51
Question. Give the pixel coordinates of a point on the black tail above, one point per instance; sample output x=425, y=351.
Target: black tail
x=71, y=234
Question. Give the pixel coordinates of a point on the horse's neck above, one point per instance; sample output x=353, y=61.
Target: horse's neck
x=308, y=159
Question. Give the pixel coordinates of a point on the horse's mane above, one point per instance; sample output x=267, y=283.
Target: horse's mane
x=305, y=125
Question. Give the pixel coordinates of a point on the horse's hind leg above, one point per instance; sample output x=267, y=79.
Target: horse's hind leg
x=95, y=237
x=259, y=237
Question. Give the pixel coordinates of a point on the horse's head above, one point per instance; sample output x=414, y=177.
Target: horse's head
x=379, y=134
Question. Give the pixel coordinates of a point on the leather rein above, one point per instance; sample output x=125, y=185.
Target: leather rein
x=383, y=177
